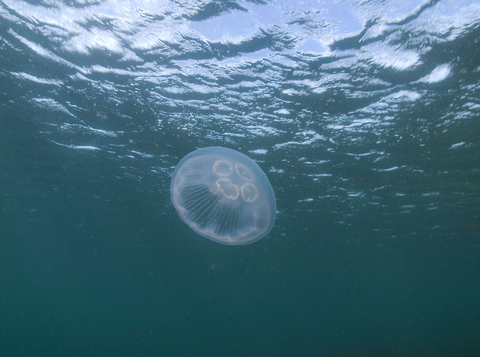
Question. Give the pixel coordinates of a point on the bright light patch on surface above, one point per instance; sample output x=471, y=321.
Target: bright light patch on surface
x=306, y=200
x=77, y=147
x=259, y=151
x=454, y=146
x=394, y=58
x=29, y=77
x=437, y=75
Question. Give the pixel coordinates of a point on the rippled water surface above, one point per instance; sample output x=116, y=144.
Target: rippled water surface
x=363, y=114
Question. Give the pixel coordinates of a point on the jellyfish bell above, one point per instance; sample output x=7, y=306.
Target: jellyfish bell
x=223, y=195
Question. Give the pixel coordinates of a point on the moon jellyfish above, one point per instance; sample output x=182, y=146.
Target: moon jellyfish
x=224, y=196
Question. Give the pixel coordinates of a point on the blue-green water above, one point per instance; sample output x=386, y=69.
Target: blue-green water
x=363, y=115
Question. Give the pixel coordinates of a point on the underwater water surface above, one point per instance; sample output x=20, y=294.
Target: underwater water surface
x=363, y=115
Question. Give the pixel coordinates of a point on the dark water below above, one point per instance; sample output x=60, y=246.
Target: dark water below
x=365, y=117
